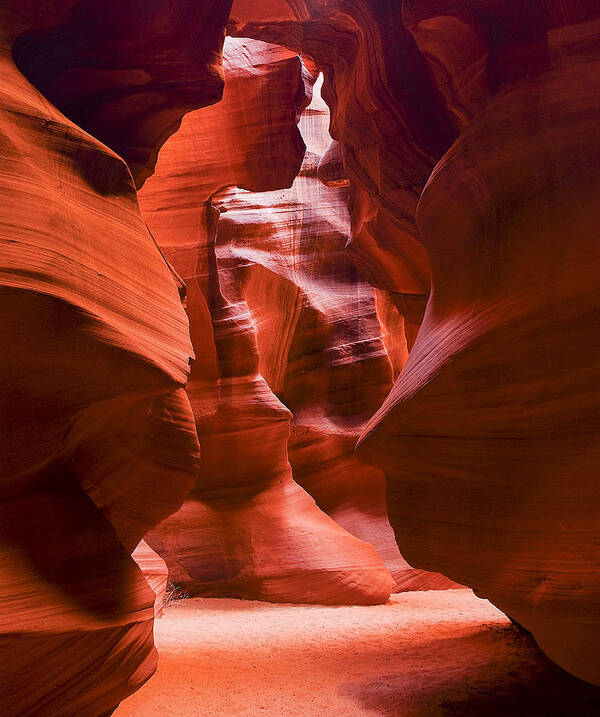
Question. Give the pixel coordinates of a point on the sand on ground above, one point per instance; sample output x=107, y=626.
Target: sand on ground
x=422, y=653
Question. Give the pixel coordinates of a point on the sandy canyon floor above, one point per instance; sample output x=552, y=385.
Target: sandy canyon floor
x=422, y=653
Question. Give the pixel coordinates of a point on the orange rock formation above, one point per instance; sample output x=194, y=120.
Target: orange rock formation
x=465, y=149
x=98, y=438
x=466, y=128
x=290, y=316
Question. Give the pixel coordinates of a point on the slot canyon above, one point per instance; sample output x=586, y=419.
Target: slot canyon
x=301, y=363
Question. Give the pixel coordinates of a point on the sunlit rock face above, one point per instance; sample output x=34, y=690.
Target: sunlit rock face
x=390, y=121
x=318, y=332
x=292, y=324
x=98, y=437
x=156, y=573
x=484, y=150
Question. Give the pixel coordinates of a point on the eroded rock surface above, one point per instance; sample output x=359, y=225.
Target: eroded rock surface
x=390, y=121
x=490, y=435
x=262, y=271
x=469, y=126
x=465, y=142
x=319, y=337
x=98, y=437
x=127, y=72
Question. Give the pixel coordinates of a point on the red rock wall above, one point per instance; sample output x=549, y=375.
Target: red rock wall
x=127, y=72
x=469, y=126
x=267, y=269
x=496, y=408
x=98, y=438
x=467, y=131
x=320, y=350
x=390, y=141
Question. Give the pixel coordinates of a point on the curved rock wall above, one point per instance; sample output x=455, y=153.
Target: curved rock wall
x=484, y=150
x=98, y=438
x=127, y=72
x=269, y=274
x=466, y=134
x=390, y=120
x=318, y=333
x=490, y=435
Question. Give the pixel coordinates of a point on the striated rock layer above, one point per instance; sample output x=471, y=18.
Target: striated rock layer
x=491, y=432
x=261, y=270
x=490, y=435
x=318, y=333
x=127, y=72
x=98, y=438
x=390, y=122
x=465, y=145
